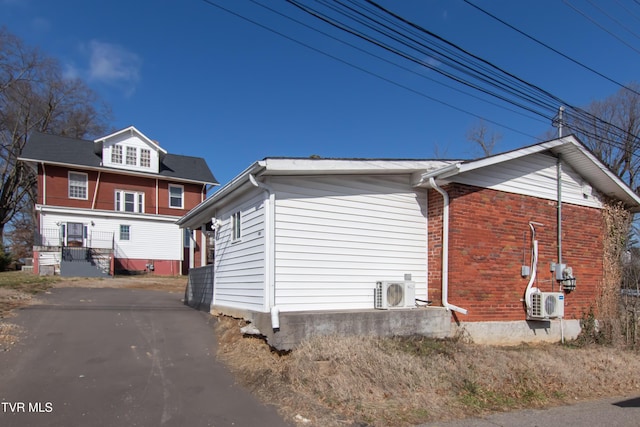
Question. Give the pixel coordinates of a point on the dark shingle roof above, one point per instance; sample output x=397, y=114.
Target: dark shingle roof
x=48, y=148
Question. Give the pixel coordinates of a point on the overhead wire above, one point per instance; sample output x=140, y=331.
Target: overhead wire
x=424, y=95
x=602, y=27
x=474, y=72
x=509, y=77
x=545, y=45
x=402, y=67
x=614, y=19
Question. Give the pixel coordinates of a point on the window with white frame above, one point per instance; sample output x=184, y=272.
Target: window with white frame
x=145, y=158
x=116, y=154
x=125, y=232
x=129, y=201
x=236, y=226
x=176, y=196
x=132, y=156
x=78, y=184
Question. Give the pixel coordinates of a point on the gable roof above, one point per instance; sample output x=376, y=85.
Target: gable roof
x=571, y=150
x=79, y=153
x=132, y=130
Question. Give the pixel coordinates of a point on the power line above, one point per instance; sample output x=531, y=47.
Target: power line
x=549, y=47
x=407, y=69
x=475, y=66
x=211, y=3
x=597, y=24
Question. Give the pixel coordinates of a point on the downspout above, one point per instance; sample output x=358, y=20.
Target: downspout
x=269, y=263
x=95, y=191
x=44, y=185
x=445, y=249
x=559, y=220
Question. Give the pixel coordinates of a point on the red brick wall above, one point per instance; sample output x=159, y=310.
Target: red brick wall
x=489, y=241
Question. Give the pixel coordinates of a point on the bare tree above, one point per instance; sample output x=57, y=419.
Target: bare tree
x=34, y=96
x=615, y=138
x=483, y=137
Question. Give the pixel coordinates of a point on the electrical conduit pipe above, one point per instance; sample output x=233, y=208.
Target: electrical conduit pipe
x=445, y=249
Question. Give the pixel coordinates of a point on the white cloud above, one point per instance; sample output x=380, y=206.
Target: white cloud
x=113, y=65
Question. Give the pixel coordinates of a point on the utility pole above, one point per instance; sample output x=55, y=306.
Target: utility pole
x=558, y=121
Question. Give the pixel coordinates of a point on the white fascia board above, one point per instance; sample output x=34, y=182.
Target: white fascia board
x=104, y=214
x=140, y=134
x=284, y=166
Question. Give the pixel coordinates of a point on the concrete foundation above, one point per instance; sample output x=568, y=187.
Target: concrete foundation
x=517, y=332
x=434, y=322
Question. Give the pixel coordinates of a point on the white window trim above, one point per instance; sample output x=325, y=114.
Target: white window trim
x=236, y=226
x=148, y=151
x=116, y=148
x=128, y=232
x=138, y=205
x=126, y=155
x=181, y=187
x=86, y=186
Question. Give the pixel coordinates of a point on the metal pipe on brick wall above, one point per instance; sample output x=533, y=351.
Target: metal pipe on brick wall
x=445, y=248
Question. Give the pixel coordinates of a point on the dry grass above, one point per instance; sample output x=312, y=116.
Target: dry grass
x=333, y=381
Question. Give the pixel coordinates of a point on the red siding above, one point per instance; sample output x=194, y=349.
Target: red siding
x=57, y=194
x=489, y=241
x=57, y=191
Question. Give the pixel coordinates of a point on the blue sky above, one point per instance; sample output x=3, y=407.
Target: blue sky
x=205, y=82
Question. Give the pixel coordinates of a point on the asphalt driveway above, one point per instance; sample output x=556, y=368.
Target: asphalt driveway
x=120, y=357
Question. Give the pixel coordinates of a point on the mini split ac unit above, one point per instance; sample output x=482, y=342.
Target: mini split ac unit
x=401, y=294
x=547, y=305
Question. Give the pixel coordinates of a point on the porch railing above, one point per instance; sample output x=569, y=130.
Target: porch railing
x=95, y=239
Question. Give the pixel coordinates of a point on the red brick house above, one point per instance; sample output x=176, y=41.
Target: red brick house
x=509, y=247
x=110, y=205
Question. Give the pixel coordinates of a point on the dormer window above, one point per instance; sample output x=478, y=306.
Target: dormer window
x=132, y=156
x=145, y=158
x=116, y=154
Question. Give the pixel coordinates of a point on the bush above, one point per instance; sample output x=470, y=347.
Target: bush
x=5, y=258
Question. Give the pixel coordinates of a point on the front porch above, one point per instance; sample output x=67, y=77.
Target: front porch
x=90, y=254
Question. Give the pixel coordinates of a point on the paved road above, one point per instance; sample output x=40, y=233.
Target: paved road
x=612, y=412
x=120, y=357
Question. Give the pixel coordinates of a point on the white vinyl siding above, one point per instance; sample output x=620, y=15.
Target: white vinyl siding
x=130, y=152
x=535, y=175
x=239, y=265
x=150, y=238
x=336, y=236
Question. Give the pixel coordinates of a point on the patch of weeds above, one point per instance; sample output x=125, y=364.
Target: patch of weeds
x=423, y=347
x=26, y=282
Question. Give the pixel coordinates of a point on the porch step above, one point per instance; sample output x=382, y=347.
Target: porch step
x=81, y=262
x=81, y=268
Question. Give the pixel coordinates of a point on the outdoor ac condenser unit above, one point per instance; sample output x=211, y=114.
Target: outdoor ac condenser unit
x=547, y=305
x=401, y=294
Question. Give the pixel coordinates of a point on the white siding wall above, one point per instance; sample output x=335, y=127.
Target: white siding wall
x=336, y=236
x=158, y=240
x=239, y=278
x=535, y=176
